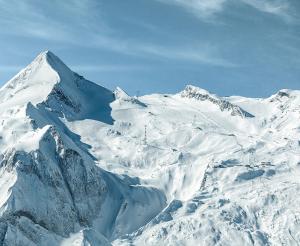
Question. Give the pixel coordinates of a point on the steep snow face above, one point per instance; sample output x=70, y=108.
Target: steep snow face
x=81, y=165
x=33, y=83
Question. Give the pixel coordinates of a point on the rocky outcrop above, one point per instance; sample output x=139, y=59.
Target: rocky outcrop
x=59, y=190
x=202, y=95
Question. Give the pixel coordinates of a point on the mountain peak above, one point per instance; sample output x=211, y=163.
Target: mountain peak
x=45, y=54
x=120, y=93
x=49, y=58
x=34, y=82
x=45, y=57
x=48, y=81
x=196, y=89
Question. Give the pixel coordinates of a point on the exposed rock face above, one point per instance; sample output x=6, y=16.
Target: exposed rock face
x=202, y=95
x=60, y=189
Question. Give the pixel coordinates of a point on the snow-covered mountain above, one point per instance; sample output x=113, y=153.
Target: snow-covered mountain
x=81, y=165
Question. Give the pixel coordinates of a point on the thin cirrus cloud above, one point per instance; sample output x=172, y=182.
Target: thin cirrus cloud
x=54, y=21
x=205, y=54
x=276, y=7
x=207, y=9
x=201, y=8
x=81, y=24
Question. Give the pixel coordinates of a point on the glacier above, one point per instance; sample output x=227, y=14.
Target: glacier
x=83, y=165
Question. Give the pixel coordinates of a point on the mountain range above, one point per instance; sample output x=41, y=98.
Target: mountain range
x=83, y=165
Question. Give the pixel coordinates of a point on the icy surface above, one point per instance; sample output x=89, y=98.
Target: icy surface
x=81, y=165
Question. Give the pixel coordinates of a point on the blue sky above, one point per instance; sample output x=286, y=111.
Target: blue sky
x=245, y=47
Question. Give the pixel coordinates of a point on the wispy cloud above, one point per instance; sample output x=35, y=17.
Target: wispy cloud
x=207, y=9
x=200, y=53
x=202, y=8
x=205, y=54
x=276, y=7
x=79, y=22
x=50, y=20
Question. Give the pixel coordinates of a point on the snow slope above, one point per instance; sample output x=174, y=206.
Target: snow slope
x=81, y=165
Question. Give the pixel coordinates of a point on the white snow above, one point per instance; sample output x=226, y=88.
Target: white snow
x=186, y=169
x=32, y=84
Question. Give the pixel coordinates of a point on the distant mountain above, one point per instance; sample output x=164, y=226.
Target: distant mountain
x=203, y=95
x=82, y=165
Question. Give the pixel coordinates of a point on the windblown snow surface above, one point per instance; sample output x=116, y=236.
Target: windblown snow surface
x=81, y=165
